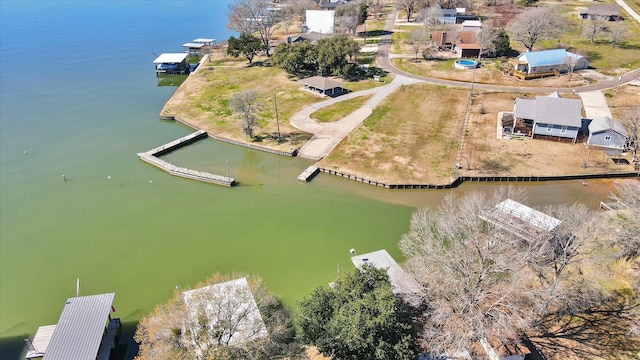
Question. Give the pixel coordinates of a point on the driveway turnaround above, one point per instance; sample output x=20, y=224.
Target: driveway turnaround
x=595, y=104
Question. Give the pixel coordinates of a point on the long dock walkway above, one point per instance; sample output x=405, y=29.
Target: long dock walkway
x=151, y=157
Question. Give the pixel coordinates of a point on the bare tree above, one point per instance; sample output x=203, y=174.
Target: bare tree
x=617, y=32
x=246, y=104
x=569, y=63
x=469, y=270
x=408, y=6
x=486, y=39
x=631, y=122
x=218, y=322
x=627, y=220
x=594, y=27
x=431, y=17
x=534, y=25
x=585, y=154
x=489, y=274
x=249, y=16
x=417, y=39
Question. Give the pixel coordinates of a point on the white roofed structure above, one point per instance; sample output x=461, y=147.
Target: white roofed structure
x=230, y=303
x=170, y=58
x=401, y=282
x=204, y=41
x=521, y=220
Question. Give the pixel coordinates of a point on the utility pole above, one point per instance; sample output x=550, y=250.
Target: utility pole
x=613, y=102
x=277, y=120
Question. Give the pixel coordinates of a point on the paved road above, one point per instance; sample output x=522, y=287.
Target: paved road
x=328, y=135
x=628, y=10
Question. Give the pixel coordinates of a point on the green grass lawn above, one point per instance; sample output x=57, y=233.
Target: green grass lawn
x=338, y=111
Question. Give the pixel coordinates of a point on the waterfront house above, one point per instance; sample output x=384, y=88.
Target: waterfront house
x=601, y=12
x=549, y=117
x=607, y=134
x=85, y=331
x=172, y=63
x=548, y=62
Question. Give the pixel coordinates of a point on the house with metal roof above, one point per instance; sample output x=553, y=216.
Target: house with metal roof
x=85, y=331
x=550, y=117
x=543, y=61
x=402, y=284
x=172, y=63
x=601, y=12
x=520, y=220
x=608, y=134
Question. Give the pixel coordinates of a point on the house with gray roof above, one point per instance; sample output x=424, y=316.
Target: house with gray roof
x=535, y=62
x=550, y=117
x=607, y=134
x=601, y=11
x=85, y=331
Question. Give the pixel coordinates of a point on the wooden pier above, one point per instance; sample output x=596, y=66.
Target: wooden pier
x=309, y=173
x=151, y=158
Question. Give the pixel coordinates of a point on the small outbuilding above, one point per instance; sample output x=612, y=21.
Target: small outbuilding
x=172, y=63
x=608, y=134
x=322, y=85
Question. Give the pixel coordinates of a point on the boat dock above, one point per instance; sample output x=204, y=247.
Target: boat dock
x=309, y=173
x=151, y=157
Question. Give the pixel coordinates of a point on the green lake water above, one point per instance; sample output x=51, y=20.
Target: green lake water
x=78, y=98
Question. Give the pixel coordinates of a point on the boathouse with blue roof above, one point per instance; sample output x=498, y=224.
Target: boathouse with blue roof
x=544, y=61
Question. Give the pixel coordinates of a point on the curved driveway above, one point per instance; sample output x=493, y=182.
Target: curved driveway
x=328, y=135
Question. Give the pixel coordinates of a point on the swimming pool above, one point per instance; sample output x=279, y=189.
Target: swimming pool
x=465, y=64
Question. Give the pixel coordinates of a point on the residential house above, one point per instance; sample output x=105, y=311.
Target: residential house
x=601, y=12
x=608, y=134
x=545, y=61
x=549, y=117
x=448, y=16
x=462, y=42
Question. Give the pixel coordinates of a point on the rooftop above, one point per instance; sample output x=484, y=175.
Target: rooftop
x=320, y=82
x=80, y=328
x=401, y=282
x=170, y=58
x=548, y=57
x=606, y=123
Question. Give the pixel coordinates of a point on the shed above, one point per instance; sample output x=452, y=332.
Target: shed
x=467, y=50
x=323, y=85
x=472, y=25
x=231, y=302
x=402, y=283
x=85, y=330
x=172, y=63
x=608, y=134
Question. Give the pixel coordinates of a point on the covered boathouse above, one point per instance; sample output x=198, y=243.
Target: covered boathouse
x=85, y=331
x=172, y=63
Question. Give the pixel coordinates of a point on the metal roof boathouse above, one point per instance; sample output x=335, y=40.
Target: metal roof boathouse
x=172, y=63
x=85, y=331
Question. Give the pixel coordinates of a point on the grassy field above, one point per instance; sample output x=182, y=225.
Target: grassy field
x=411, y=137
x=340, y=110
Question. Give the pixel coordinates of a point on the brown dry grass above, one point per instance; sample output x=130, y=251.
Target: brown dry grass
x=410, y=138
x=525, y=157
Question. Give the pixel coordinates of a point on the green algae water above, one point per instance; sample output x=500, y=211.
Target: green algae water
x=79, y=98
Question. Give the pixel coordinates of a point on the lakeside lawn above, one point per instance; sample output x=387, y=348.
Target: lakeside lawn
x=202, y=100
x=339, y=110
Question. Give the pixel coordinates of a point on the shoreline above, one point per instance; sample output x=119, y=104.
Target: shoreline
x=344, y=172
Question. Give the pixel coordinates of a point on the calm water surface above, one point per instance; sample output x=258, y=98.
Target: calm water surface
x=79, y=98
